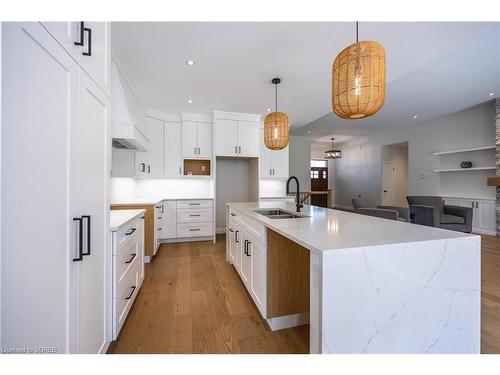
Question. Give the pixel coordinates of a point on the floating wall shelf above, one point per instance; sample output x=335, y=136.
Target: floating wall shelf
x=465, y=150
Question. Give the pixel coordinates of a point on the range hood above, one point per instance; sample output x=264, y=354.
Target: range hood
x=127, y=115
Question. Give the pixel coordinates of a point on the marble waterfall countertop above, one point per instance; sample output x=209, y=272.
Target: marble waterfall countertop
x=329, y=229
x=117, y=218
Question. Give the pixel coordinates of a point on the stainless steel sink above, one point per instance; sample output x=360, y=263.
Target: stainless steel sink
x=279, y=214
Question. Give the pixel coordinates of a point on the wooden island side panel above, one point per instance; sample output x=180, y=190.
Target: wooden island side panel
x=287, y=276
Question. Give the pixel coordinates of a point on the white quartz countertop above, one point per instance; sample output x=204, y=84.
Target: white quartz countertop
x=149, y=201
x=329, y=229
x=117, y=218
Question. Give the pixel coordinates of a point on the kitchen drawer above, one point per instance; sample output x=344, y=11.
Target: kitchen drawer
x=194, y=230
x=201, y=203
x=254, y=228
x=126, y=259
x=194, y=215
x=126, y=292
x=127, y=235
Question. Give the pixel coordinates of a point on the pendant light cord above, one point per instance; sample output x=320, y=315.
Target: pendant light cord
x=276, y=98
x=357, y=32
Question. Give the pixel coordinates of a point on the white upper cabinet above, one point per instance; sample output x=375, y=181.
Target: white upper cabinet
x=197, y=139
x=173, y=152
x=273, y=164
x=150, y=163
x=236, y=134
x=89, y=45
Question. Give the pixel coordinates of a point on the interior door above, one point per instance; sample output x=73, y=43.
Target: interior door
x=173, y=157
x=39, y=100
x=189, y=139
x=388, y=184
x=226, y=137
x=205, y=135
x=248, y=138
x=93, y=169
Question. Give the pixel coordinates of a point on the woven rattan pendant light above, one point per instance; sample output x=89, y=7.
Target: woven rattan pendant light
x=276, y=126
x=358, y=80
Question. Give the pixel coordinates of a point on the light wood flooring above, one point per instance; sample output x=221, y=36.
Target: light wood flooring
x=193, y=301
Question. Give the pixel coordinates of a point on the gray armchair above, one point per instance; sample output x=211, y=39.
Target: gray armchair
x=431, y=211
x=366, y=206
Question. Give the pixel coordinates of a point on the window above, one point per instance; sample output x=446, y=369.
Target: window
x=314, y=174
x=324, y=174
x=319, y=163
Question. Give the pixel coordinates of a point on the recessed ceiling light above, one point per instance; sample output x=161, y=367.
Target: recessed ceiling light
x=190, y=63
x=415, y=116
x=308, y=132
x=190, y=101
x=269, y=110
x=491, y=94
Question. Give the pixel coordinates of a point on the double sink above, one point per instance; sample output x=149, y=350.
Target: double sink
x=274, y=213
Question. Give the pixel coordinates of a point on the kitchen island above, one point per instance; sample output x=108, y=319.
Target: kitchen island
x=364, y=284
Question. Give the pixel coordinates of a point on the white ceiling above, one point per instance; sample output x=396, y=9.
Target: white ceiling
x=432, y=68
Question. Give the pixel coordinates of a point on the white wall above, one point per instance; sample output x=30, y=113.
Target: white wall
x=124, y=189
x=359, y=170
x=299, y=159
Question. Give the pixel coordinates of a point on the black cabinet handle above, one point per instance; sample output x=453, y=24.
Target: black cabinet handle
x=194, y=229
x=245, y=247
x=159, y=229
x=194, y=215
x=82, y=26
x=131, y=258
x=233, y=214
x=149, y=169
x=194, y=204
x=89, y=237
x=236, y=239
x=130, y=231
x=248, y=250
x=131, y=293
x=231, y=230
x=89, y=46
x=143, y=167
x=80, y=239
x=162, y=208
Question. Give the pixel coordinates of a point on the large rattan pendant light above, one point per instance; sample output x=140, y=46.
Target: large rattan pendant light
x=358, y=80
x=276, y=126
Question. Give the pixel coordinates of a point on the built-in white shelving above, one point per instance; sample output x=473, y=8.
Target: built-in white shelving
x=465, y=150
x=464, y=169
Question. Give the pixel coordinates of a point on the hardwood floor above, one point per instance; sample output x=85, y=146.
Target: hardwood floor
x=192, y=301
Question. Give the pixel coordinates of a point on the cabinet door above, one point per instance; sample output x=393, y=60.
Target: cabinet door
x=172, y=145
x=155, y=130
x=486, y=216
x=279, y=163
x=205, y=136
x=248, y=138
x=141, y=250
x=39, y=100
x=189, y=139
x=67, y=33
x=258, y=279
x=97, y=64
x=123, y=163
x=226, y=138
x=93, y=171
x=234, y=251
x=246, y=262
x=265, y=158
x=170, y=216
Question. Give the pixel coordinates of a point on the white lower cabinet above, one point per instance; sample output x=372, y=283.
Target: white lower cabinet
x=128, y=269
x=247, y=251
x=483, y=213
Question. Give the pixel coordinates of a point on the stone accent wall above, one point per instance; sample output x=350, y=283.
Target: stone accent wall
x=497, y=162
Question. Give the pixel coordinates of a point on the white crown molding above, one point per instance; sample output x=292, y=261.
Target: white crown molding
x=168, y=117
x=237, y=116
x=196, y=117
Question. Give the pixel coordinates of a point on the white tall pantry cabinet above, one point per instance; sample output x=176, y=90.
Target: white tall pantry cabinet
x=55, y=205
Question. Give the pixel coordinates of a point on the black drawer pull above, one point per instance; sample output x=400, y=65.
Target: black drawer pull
x=131, y=258
x=131, y=293
x=130, y=231
x=248, y=249
x=231, y=230
x=159, y=229
x=194, y=204
x=194, y=229
x=80, y=239
x=159, y=218
x=236, y=238
x=89, y=237
x=82, y=26
x=89, y=47
x=233, y=214
x=194, y=215
x=245, y=248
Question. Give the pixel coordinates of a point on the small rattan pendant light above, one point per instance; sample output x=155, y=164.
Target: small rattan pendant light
x=358, y=80
x=276, y=126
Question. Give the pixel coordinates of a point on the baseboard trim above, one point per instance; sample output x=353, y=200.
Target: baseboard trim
x=487, y=232
x=288, y=321
x=187, y=239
